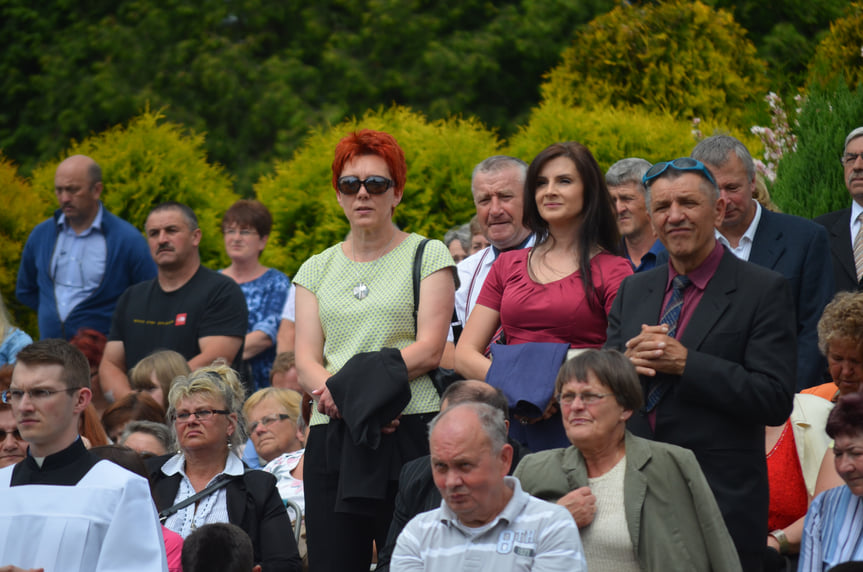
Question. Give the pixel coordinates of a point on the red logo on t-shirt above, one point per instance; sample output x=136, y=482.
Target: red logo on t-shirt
x=180, y=320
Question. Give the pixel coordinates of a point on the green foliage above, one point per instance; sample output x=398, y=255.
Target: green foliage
x=150, y=161
x=440, y=156
x=22, y=210
x=612, y=134
x=839, y=56
x=256, y=76
x=677, y=57
x=785, y=33
x=809, y=182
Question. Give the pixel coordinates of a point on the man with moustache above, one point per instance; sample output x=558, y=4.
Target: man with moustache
x=187, y=308
x=791, y=245
x=845, y=226
x=76, y=264
x=640, y=245
x=713, y=341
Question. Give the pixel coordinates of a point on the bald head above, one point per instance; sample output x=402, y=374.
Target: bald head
x=78, y=186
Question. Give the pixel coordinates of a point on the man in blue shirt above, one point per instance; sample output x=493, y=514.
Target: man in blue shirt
x=640, y=245
x=76, y=264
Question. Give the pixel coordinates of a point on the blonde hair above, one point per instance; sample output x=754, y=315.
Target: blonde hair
x=842, y=320
x=218, y=381
x=290, y=400
x=166, y=364
x=5, y=320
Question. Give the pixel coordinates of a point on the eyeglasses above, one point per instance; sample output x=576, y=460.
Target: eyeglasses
x=244, y=232
x=681, y=164
x=850, y=158
x=200, y=415
x=266, y=421
x=38, y=394
x=587, y=398
x=14, y=432
x=375, y=185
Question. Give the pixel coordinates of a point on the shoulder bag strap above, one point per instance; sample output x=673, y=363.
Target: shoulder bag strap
x=193, y=499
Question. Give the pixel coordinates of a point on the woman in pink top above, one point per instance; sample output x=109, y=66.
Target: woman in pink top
x=561, y=289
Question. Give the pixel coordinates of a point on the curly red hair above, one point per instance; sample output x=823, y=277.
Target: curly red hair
x=370, y=142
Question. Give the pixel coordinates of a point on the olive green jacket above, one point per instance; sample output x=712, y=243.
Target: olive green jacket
x=672, y=516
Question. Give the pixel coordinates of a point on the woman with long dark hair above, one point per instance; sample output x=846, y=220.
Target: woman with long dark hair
x=559, y=291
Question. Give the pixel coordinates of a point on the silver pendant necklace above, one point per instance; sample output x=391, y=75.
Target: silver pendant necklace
x=361, y=290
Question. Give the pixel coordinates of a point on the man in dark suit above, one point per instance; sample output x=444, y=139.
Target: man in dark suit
x=844, y=226
x=713, y=341
x=793, y=246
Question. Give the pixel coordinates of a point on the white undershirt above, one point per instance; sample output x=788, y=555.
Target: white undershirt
x=607, y=545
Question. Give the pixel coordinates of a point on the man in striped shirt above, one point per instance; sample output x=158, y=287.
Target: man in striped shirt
x=486, y=521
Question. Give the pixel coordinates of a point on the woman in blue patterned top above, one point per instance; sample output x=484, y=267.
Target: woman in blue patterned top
x=246, y=227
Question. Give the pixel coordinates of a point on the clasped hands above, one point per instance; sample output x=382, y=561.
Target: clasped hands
x=654, y=351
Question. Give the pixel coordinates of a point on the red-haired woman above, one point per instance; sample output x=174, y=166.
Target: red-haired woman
x=357, y=298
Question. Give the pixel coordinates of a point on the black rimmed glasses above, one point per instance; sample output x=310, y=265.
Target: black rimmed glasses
x=588, y=398
x=375, y=185
x=200, y=415
x=36, y=394
x=266, y=422
x=681, y=164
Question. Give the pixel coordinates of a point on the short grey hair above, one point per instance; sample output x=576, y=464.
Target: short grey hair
x=160, y=431
x=714, y=151
x=629, y=170
x=460, y=233
x=858, y=132
x=490, y=420
x=497, y=163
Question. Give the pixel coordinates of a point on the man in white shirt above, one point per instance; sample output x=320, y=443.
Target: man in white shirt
x=486, y=522
x=498, y=193
x=61, y=508
x=795, y=247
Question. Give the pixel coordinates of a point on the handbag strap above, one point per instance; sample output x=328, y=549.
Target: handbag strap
x=417, y=276
x=163, y=515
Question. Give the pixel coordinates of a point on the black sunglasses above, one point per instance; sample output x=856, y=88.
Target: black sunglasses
x=375, y=185
x=15, y=434
x=681, y=164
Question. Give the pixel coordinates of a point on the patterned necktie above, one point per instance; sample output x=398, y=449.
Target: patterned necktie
x=858, y=249
x=670, y=317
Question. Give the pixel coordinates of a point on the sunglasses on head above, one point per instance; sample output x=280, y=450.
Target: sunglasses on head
x=681, y=164
x=375, y=185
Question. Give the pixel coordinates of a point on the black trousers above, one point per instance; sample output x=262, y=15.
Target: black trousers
x=342, y=542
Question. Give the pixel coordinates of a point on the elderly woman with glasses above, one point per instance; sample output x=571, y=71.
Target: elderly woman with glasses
x=13, y=447
x=639, y=504
x=834, y=521
x=246, y=227
x=364, y=350
x=207, y=419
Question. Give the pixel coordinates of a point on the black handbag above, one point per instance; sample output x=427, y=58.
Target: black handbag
x=441, y=377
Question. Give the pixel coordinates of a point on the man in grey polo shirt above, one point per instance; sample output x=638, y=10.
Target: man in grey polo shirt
x=485, y=515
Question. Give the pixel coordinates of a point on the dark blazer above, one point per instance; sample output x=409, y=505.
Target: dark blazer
x=838, y=225
x=253, y=504
x=739, y=376
x=798, y=249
